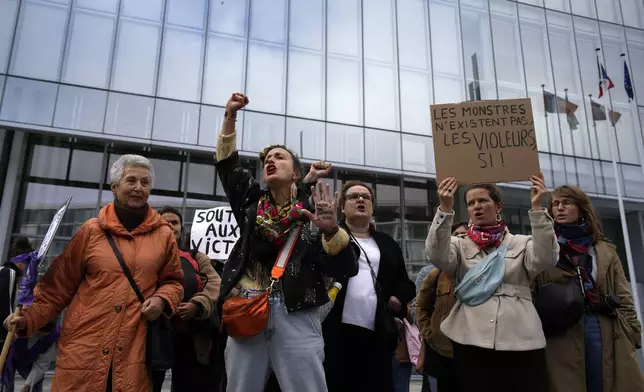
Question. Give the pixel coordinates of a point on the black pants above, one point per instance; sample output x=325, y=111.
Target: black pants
x=361, y=362
x=482, y=370
x=441, y=368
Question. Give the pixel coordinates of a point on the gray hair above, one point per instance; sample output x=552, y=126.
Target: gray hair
x=126, y=161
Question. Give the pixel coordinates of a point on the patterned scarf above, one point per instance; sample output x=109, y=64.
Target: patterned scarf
x=574, y=242
x=487, y=236
x=275, y=223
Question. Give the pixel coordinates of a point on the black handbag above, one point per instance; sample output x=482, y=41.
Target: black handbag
x=560, y=304
x=385, y=325
x=159, y=342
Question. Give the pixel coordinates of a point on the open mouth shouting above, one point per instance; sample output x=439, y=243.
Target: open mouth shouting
x=361, y=208
x=271, y=169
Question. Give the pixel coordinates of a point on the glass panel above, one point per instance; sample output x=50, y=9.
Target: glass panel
x=625, y=129
x=228, y=17
x=80, y=108
x=347, y=142
x=109, y=6
x=566, y=73
x=633, y=11
x=176, y=121
x=584, y=8
x=446, y=40
x=418, y=153
x=415, y=95
x=201, y=178
x=305, y=84
x=571, y=171
x=8, y=12
x=381, y=96
x=49, y=162
x=413, y=35
x=344, y=91
x=38, y=47
x=387, y=210
x=210, y=125
x=635, y=61
x=306, y=138
x=477, y=47
x=261, y=130
x=546, y=168
x=533, y=2
x=143, y=9
x=171, y=174
x=40, y=204
x=586, y=175
x=268, y=20
x=633, y=181
x=224, y=73
x=129, y=115
x=187, y=13
x=307, y=24
x=86, y=166
x=382, y=148
x=507, y=49
x=378, y=31
x=599, y=177
x=609, y=178
x=89, y=49
x=28, y=101
x=559, y=169
x=559, y=5
x=344, y=30
x=418, y=215
x=609, y=11
x=135, y=59
x=539, y=72
x=180, y=75
x=2, y=80
x=266, y=77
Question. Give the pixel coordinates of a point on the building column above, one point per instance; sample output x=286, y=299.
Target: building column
x=11, y=188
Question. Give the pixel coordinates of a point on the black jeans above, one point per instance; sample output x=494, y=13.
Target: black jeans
x=482, y=370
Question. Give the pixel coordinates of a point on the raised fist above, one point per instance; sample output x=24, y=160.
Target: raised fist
x=235, y=102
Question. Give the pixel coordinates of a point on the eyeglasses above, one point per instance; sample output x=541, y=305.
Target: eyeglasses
x=563, y=203
x=356, y=196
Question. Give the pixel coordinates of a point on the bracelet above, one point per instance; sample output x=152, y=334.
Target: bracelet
x=230, y=116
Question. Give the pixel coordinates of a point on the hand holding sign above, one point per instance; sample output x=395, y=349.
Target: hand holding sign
x=538, y=190
x=325, y=217
x=446, y=190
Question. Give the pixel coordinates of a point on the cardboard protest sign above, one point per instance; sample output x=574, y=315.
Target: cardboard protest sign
x=485, y=141
x=214, y=232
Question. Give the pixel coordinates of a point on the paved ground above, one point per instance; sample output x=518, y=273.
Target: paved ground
x=415, y=385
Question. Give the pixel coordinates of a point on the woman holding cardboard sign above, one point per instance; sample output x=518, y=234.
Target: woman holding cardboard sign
x=280, y=264
x=494, y=327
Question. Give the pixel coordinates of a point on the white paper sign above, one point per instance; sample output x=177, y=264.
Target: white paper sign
x=214, y=232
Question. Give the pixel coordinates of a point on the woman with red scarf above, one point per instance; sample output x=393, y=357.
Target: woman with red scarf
x=496, y=334
x=592, y=335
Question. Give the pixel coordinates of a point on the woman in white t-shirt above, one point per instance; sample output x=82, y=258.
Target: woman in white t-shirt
x=358, y=349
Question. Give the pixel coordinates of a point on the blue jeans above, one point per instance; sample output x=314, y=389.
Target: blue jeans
x=291, y=345
x=401, y=375
x=593, y=349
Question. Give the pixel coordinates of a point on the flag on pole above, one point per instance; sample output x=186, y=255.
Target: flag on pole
x=26, y=294
x=604, y=81
x=628, y=86
x=555, y=104
x=600, y=115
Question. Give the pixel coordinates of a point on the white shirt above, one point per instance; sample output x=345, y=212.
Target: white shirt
x=361, y=301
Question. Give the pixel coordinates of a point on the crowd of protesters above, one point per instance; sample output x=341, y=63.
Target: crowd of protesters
x=491, y=311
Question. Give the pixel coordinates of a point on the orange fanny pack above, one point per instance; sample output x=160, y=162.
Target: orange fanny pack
x=246, y=317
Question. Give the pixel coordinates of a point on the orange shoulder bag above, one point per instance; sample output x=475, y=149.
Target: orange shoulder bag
x=246, y=317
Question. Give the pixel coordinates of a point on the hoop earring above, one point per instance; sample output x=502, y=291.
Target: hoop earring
x=499, y=218
x=470, y=223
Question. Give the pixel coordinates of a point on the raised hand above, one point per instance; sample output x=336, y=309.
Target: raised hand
x=446, y=190
x=318, y=170
x=538, y=191
x=235, y=102
x=325, y=217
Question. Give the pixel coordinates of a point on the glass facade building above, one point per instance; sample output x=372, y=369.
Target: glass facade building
x=348, y=81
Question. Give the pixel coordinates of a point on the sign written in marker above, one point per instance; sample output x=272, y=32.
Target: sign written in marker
x=485, y=141
x=214, y=232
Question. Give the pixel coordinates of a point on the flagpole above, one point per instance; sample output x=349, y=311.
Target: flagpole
x=635, y=112
x=599, y=157
x=545, y=114
x=622, y=211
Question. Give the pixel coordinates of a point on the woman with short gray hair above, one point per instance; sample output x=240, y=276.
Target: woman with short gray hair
x=103, y=340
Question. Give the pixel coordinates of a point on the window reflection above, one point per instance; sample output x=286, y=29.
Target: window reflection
x=306, y=138
x=40, y=36
x=224, y=73
x=49, y=162
x=381, y=95
x=306, y=84
x=143, y=9
x=447, y=67
x=80, y=108
x=261, y=130
x=176, y=121
x=418, y=153
x=129, y=115
x=419, y=210
x=609, y=11
x=633, y=13
x=28, y=101
x=344, y=91
x=268, y=21
x=387, y=209
x=635, y=60
x=507, y=49
x=135, y=58
x=343, y=22
x=477, y=47
x=228, y=17
x=181, y=62
x=345, y=144
x=382, y=148
x=8, y=12
x=109, y=6
x=187, y=13
x=307, y=24
x=266, y=77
